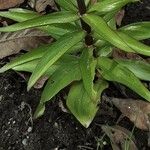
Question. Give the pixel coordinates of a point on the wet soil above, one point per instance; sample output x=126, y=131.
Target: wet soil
x=58, y=129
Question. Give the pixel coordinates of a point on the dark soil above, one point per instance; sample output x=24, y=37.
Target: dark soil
x=57, y=129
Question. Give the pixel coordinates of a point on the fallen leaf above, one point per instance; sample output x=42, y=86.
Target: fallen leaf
x=117, y=53
x=40, y=5
x=5, y=4
x=12, y=43
x=119, y=16
x=40, y=83
x=120, y=137
x=137, y=111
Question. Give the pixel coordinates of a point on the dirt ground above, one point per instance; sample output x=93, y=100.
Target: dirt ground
x=58, y=130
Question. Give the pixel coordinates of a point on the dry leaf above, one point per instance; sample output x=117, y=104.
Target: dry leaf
x=40, y=83
x=120, y=138
x=40, y=5
x=119, y=16
x=117, y=53
x=12, y=43
x=5, y=4
x=137, y=111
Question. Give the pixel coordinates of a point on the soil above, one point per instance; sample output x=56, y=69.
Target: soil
x=58, y=130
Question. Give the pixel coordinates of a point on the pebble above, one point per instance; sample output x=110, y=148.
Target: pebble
x=1, y=96
x=29, y=129
x=24, y=142
x=56, y=125
x=14, y=122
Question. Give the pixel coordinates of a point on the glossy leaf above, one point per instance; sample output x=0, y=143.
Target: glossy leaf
x=87, y=66
x=55, y=51
x=116, y=38
x=105, y=50
x=106, y=6
x=139, y=31
x=57, y=17
x=140, y=68
x=112, y=71
x=30, y=66
x=67, y=5
x=19, y=14
x=80, y=104
x=55, y=30
x=33, y=56
x=62, y=77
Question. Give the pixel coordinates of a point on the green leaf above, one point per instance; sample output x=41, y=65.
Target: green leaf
x=57, y=17
x=55, y=51
x=58, y=29
x=139, y=31
x=105, y=50
x=116, y=38
x=140, y=68
x=112, y=71
x=87, y=66
x=30, y=66
x=39, y=111
x=80, y=104
x=109, y=5
x=55, y=30
x=32, y=55
x=19, y=14
x=67, y=5
x=63, y=76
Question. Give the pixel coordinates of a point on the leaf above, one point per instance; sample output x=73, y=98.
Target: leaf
x=30, y=58
x=63, y=76
x=67, y=5
x=109, y=5
x=55, y=30
x=136, y=110
x=139, y=31
x=116, y=38
x=5, y=4
x=19, y=14
x=105, y=50
x=80, y=104
x=58, y=30
x=32, y=55
x=30, y=66
x=12, y=43
x=119, y=17
x=140, y=68
x=40, y=5
x=121, y=138
x=57, y=17
x=87, y=66
x=55, y=51
x=112, y=71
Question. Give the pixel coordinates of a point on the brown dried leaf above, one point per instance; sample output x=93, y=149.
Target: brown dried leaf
x=40, y=5
x=12, y=43
x=120, y=138
x=137, y=111
x=40, y=83
x=5, y=4
x=117, y=53
x=119, y=17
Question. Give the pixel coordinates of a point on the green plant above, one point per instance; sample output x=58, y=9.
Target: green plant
x=81, y=57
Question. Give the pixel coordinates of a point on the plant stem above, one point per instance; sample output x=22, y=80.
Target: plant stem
x=85, y=26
